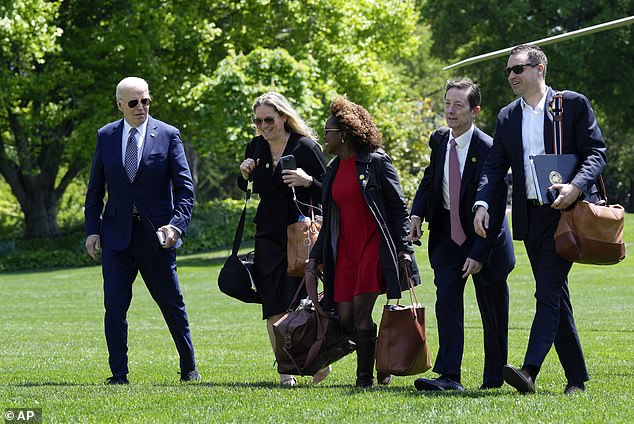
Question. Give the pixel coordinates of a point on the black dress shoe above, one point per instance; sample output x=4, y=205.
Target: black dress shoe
x=439, y=384
x=193, y=375
x=518, y=378
x=383, y=379
x=487, y=386
x=571, y=389
x=119, y=379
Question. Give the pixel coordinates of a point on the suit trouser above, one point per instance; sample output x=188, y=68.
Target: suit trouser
x=553, y=322
x=158, y=270
x=493, y=302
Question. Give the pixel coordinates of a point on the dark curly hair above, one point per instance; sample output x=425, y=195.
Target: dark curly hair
x=356, y=123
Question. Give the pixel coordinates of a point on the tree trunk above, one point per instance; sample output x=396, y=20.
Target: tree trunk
x=33, y=173
x=40, y=214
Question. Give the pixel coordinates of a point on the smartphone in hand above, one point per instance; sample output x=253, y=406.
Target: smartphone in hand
x=288, y=162
x=161, y=237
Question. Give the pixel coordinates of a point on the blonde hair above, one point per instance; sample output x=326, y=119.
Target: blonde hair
x=282, y=106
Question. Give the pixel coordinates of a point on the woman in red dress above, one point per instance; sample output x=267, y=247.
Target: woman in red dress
x=363, y=242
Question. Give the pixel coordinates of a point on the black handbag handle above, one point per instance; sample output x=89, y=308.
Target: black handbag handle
x=237, y=239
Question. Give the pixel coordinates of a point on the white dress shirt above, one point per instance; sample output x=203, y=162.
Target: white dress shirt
x=462, y=148
x=532, y=140
x=140, y=138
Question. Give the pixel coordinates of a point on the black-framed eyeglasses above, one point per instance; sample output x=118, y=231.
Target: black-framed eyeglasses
x=132, y=103
x=518, y=69
x=268, y=120
x=327, y=130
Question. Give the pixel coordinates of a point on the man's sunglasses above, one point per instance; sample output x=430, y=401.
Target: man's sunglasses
x=518, y=69
x=258, y=121
x=132, y=103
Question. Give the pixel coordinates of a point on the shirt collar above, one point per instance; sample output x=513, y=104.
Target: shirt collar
x=464, y=139
x=141, y=129
x=540, y=105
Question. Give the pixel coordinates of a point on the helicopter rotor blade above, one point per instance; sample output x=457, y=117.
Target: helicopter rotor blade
x=545, y=41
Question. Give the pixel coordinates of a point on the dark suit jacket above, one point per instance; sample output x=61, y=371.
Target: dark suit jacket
x=496, y=251
x=582, y=137
x=162, y=190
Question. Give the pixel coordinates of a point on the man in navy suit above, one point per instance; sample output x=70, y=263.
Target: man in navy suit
x=140, y=162
x=455, y=251
x=524, y=128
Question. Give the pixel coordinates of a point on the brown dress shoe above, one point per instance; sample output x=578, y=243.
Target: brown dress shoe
x=518, y=378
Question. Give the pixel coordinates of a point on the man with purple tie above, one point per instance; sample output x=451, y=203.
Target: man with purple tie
x=140, y=164
x=444, y=199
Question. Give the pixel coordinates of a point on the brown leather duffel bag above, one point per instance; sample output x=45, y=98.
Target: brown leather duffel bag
x=591, y=233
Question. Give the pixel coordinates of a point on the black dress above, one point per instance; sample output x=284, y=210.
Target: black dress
x=275, y=212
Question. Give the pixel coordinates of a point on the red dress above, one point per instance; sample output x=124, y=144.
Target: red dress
x=358, y=269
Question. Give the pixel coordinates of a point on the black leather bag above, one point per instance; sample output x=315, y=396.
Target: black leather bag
x=237, y=276
x=308, y=339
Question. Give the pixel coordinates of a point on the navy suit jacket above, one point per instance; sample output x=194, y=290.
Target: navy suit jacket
x=496, y=251
x=582, y=137
x=162, y=190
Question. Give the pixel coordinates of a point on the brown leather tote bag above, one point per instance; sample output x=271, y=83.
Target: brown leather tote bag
x=402, y=341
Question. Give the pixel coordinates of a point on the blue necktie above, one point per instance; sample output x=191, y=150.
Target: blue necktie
x=131, y=155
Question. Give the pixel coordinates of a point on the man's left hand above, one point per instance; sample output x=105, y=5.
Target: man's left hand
x=471, y=266
x=568, y=194
x=171, y=236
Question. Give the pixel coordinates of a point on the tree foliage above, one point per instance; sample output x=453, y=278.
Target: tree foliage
x=599, y=65
x=205, y=61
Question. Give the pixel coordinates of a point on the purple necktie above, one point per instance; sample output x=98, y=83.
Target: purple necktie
x=457, y=234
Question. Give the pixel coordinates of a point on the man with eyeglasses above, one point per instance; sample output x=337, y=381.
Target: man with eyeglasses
x=525, y=128
x=140, y=164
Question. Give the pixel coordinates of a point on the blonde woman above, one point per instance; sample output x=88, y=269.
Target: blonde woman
x=279, y=131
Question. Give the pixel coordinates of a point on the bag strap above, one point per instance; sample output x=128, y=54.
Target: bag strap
x=558, y=137
x=237, y=239
x=603, y=194
x=315, y=348
x=558, y=122
x=412, y=293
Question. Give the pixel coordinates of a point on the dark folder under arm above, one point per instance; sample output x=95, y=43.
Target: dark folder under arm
x=552, y=169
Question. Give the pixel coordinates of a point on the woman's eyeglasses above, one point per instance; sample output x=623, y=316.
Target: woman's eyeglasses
x=258, y=121
x=132, y=103
x=518, y=69
x=327, y=130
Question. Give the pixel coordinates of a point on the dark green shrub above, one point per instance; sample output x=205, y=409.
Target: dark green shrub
x=213, y=226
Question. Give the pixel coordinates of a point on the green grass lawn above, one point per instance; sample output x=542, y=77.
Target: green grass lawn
x=53, y=356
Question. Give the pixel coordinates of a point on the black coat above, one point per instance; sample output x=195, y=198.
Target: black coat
x=381, y=189
x=495, y=251
x=582, y=137
x=276, y=210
